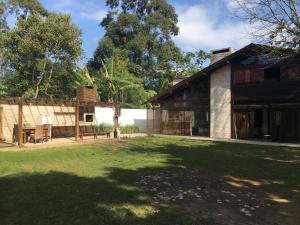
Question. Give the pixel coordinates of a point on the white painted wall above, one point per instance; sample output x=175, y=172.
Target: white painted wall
x=128, y=117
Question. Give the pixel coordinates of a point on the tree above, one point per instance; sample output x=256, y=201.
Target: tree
x=117, y=84
x=3, y=23
x=276, y=22
x=23, y=8
x=65, y=82
x=3, y=27
x=37, y=51
x=143, y=29
x=191, y=63
x=19, y=8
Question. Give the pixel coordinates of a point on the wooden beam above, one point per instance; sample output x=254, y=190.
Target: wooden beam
x=64, y=113
x=77, y=122
x=50, y=102
x=20, y=124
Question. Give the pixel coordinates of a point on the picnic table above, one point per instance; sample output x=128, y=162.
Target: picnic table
x=27, y=131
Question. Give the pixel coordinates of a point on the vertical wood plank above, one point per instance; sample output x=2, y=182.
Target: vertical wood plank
x=77, y=122
x=153, y=118
x=1, y=123
x=20, y=123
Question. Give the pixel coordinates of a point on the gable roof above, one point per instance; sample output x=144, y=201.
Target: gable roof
x=212, y=67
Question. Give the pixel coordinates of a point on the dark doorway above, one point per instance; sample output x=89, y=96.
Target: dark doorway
x=286, y=125
x=201, y=123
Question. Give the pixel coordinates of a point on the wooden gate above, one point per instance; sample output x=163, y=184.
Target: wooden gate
x=242, y=124
x=185, y=124
x=177, y=123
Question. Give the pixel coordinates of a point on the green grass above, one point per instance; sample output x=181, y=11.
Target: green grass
x=96, y=184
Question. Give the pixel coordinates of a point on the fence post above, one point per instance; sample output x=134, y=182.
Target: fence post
x=77, y=121
x=20, y=123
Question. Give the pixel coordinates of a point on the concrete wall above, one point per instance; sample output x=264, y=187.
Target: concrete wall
x=220, y=103
x=128, y=117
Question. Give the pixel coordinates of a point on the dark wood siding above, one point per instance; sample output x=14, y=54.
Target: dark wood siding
x=255, y=83
x=68, y=131
x=186, y=111
x=290, y=73
x=266, y=102
x=250, y=75
x=272, y=91
x=85, y=109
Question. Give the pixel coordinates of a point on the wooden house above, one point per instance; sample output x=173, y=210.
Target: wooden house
x=252, y=93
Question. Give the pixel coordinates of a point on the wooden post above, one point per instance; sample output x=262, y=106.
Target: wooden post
x=161, y=121
x=1, y=123
x=20, y=123
x=77, y=121
x=153, y=119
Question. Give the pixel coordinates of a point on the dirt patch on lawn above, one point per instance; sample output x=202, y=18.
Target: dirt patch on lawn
x=227, y=200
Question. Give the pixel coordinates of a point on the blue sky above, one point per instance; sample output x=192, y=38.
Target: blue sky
x=204, y=24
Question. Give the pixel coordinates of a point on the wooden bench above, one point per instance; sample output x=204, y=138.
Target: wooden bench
x=108, y=134
x=87, y=131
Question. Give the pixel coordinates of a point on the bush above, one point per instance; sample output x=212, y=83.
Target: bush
x=105, y=128
x=129, y=129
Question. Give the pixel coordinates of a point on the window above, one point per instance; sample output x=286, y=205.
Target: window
x=89, y=118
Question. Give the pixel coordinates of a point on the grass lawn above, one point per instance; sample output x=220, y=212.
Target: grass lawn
x=151, y=181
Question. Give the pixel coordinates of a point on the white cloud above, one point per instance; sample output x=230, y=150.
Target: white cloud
x=64, y=6
x=202, y=29
x=95, y=14
x=232, y=4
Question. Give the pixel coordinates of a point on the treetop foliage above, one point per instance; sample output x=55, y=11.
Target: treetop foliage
x=24, y=7
x=39, y=52
x=143, y=31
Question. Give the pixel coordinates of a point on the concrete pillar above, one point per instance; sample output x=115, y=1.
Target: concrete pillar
x=220, y=103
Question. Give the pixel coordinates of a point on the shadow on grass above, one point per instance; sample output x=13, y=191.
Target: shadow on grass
x=59, y=198
x=277, y=165
x=274, y=172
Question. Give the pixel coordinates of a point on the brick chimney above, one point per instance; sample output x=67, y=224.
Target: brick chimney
x=219, y=54
x=87, y=93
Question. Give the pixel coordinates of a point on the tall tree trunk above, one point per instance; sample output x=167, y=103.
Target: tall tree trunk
x=37, y=89
x=49, y=79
